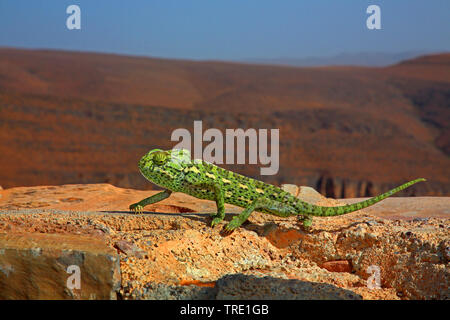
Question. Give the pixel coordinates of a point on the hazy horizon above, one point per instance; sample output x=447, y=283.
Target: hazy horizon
x=375, y=59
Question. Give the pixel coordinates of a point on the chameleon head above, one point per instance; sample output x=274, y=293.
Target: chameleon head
x=164, y=167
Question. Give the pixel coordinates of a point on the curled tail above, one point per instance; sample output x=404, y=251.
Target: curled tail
x=337, y=211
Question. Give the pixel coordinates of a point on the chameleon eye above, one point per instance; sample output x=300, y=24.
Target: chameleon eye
x=159, y=158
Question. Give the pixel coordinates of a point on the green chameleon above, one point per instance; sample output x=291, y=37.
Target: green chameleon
x=174, y=171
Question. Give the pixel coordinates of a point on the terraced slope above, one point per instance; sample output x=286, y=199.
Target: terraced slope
x=70, y=117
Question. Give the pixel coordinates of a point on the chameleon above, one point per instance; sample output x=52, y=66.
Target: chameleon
x=174, y=171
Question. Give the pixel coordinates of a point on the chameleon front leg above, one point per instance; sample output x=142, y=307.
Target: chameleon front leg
x=220, y=203
x=138, y=207
x=219, y=198
x=274, y=207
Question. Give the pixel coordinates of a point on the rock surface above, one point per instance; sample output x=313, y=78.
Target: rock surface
x=170, y=252
x=57, y=266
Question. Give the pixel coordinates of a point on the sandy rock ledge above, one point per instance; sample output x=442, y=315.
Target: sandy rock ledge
x=170, y=252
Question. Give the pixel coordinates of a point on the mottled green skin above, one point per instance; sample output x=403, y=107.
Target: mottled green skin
x=174, y=171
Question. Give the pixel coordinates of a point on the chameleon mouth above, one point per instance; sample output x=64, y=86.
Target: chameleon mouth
x=146, y=167
x=146, y=172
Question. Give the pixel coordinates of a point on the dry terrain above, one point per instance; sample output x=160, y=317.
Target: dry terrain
x=170, y=252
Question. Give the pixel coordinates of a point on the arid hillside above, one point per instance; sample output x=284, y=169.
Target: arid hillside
x=71, y=117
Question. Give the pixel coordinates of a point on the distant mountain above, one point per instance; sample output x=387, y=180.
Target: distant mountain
x=72, y=117
x=369, y=59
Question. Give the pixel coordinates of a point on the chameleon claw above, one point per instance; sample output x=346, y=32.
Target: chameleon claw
x=232, y=225
x=307, y=229
x=306, y=223
x=137, y=209
x=215, y=222
x=228, y=230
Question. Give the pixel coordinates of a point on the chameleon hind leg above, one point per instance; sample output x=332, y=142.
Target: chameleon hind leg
x=138, y=207
x=271, y=206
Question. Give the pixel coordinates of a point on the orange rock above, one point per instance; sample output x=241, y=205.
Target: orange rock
x=337, y=266
x=211, y=284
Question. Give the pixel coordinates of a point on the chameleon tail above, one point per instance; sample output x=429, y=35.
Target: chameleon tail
x=336, y=211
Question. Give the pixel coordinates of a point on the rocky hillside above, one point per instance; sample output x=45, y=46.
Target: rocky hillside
x=69, y=117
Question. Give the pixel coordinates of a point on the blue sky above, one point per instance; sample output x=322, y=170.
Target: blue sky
x=227, y=29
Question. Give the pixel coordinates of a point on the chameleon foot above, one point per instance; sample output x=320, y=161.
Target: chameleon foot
x=233, y=224
x=136, y=208
x=216, y=221
x=306, y=223
x=307, y=229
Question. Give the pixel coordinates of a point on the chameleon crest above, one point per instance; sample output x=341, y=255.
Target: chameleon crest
x=174, y=171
